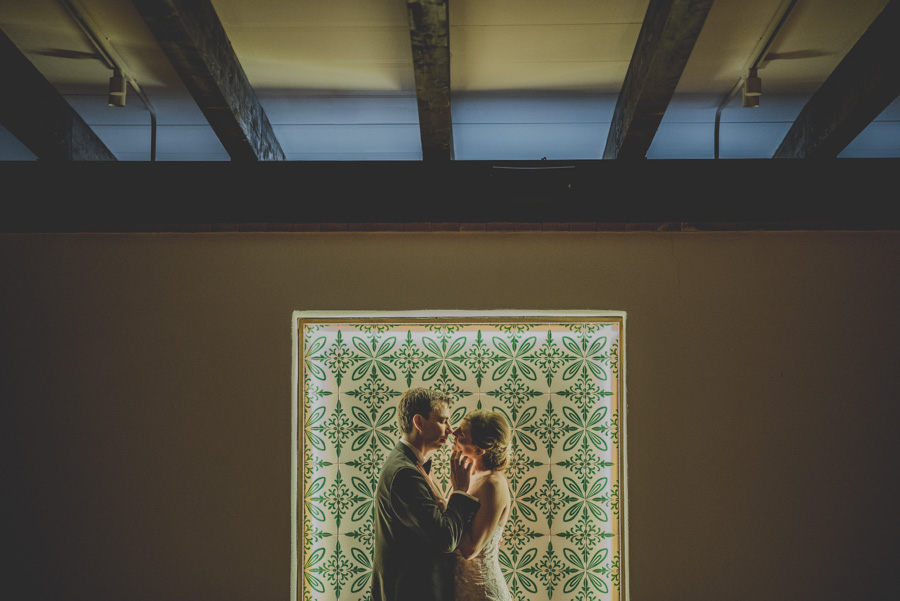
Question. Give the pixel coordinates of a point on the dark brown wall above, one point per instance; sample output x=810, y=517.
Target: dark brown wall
x=146, y=386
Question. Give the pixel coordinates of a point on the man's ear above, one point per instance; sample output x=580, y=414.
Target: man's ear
x=417, y=422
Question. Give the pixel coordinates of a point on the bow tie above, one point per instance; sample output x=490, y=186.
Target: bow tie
x=427, y=466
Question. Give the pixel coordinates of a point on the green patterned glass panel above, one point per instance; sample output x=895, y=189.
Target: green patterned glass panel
x=557, y=381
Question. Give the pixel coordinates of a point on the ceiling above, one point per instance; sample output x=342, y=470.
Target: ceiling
x=530, y=79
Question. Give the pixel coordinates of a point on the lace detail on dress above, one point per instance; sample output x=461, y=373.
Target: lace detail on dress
x=480, y=578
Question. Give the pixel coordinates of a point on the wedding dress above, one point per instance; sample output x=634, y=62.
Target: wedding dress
x=480, y=578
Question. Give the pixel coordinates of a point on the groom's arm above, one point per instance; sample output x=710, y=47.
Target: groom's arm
x=421, y=515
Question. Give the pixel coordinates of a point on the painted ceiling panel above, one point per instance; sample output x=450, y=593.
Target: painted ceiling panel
x=343, y=46
x=537, y=12
x=589, y=76
x=529, y=141
x=332, y=141
x=682, y=141
x=312, y=13
x=190, y=142
x=751, y=140
x=880, y=139
x=13, y=150
x=532, y=107
x=284, y=109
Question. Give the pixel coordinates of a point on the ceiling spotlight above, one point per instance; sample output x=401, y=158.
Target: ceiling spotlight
x=752, y=90
x=117, y=89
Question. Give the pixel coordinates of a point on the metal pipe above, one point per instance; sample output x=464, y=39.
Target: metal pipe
x=107, y=57
x=779, y=21
x=722, y=105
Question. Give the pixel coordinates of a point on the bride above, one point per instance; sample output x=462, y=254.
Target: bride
x=483, y=437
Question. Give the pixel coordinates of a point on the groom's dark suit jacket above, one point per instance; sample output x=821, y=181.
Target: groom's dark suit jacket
x=412, y=535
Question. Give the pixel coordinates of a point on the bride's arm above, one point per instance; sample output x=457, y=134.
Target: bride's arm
x=480, y=529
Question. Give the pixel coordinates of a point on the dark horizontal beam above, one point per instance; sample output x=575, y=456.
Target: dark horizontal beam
x=192, y=37
x=844, y=194
x=664, y=45
x=429, y=32
x=35, y=113
x=864, y=83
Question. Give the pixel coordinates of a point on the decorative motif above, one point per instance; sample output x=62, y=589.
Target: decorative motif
x=365, y=534
x=338, y=358
x=585, y=534
x=586, y=463
x=449, y=387
x=374, y=393
x=513, y=356
x=337, y=499
x=519, y=464
x=589, y=498
x=441, y=356
x=479, y=358
x=374, y=330
x=408, y=358
x=370, y=462
x=591, y=570
x=338, y=428
x=614, y=358
x=550, y=428
x=445, y=331
x=376, y=356
x=337, y=569
x=591, y=429
x=514, y=567
x=313, y=370
x=312, y=533
x=549, y=358
x=519, y=425
x=550, y=570
x=584, y=393
x=587, y=355
x=516, y=533
x=557, y=384
x=583, y=330
x=515, y=330
x=314, y=394
x=514, y=393
x=383, y=429
x=550, y=499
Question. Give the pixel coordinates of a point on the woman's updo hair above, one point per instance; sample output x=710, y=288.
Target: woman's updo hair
x=490, y=432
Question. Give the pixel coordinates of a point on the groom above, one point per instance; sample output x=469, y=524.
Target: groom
x=413, y=528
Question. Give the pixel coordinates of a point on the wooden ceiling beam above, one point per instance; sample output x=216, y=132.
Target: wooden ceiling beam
x=862, y=85
x=667, y=37
x=35, y=113
x=191, y=35
x=429, y=32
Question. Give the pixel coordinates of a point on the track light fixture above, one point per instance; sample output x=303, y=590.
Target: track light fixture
x=117, y=89
x=752, y=90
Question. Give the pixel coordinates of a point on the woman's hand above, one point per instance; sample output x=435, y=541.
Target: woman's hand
x=460, y=471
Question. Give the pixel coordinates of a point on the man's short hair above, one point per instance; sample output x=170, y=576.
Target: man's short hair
x=419, y=401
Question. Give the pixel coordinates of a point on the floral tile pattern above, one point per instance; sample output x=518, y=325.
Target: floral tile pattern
x=558, y=384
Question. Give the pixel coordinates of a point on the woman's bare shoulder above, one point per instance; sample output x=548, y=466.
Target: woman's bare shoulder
x=495, y=485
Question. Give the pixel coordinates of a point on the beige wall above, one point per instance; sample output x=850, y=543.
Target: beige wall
x=146, y=398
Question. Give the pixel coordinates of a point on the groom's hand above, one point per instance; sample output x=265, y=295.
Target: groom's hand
x=459, y=471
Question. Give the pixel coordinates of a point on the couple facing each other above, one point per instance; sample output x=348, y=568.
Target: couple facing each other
x=432, y=549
